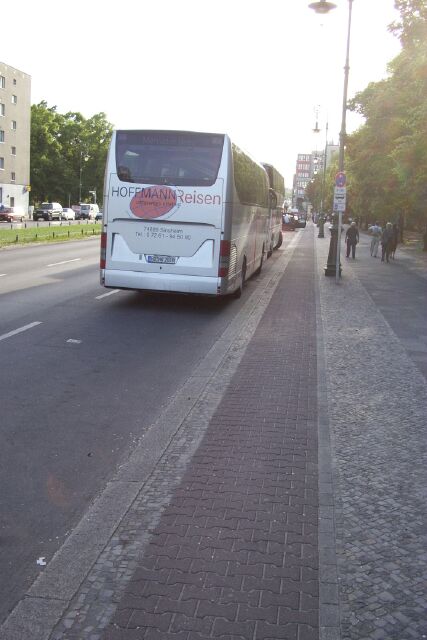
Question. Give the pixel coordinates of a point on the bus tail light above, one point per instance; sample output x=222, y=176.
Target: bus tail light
x=224, y=258
x=103, y=250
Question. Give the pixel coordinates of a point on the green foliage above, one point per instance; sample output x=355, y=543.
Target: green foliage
x=387, y=156
x=413, y=20
x=65, y=148
x=320, y=190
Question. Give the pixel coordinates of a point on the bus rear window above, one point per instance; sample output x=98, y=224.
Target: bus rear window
x=168, y=157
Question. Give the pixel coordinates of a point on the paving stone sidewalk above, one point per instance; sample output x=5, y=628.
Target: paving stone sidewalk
x=376, y=409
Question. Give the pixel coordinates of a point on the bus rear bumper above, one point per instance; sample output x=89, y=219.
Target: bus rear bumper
x=167, y=282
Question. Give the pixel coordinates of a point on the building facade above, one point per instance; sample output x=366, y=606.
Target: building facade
x=303, y=175
x=307, y=166
x=15, y=128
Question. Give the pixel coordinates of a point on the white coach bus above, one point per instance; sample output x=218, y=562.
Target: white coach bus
x=277, y=200
x=183, y=212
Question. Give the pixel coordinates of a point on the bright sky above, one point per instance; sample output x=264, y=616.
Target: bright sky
x=256, y=69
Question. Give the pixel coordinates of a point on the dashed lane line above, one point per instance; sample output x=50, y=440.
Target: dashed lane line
x=55, y=264
x=20, y=330
x=109, y=293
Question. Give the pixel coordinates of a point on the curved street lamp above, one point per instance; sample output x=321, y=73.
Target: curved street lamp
x=333, y=266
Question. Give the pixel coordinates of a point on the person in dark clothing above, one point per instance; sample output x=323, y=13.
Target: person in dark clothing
x=352, y=238
x=387, y=241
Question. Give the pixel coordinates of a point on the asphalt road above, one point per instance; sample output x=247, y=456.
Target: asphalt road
x=84, y=371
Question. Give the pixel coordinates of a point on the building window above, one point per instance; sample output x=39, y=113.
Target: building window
x=12, y=201
x=14, y=81
x=13, y=151
x=14, y=99
x=2, y=82
x=12, y=176
x=2, y=109
x=1, y=163
x=13, y=125
x=1, y=136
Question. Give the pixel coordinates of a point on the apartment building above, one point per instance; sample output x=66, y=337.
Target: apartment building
x=303, y=175
x=15, y=125
x=307, y=166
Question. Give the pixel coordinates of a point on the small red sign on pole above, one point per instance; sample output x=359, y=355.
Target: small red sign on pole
x=340, y=179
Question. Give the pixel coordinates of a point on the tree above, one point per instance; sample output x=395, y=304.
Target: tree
x=320, y=189
x=387, y=156
x=66, y=151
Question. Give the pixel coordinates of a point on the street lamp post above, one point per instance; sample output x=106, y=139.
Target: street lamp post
x=321, y=221
x=322, y=190
x=333, y=266
x=80, y=179
x=85, y=158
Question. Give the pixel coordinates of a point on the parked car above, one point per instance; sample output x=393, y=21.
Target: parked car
x=87, y=211
x=98, y=216
x=68, y=214
x=11, y=214
x=300, y=222
x=48, y=211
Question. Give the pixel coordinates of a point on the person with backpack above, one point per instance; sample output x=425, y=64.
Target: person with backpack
x=376, y=231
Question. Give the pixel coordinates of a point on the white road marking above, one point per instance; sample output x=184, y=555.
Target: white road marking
x=20, y=330
x=55, y=264
x=3, y=274
x=73, y=341
x=104, y=295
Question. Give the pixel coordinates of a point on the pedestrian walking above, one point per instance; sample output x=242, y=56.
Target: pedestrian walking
x=387, y=242
x=375, y=230
x=352, y=238
x=395, y=240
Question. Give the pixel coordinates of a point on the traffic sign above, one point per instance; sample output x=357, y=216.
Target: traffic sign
x=340, y=197
x=339, y=206
x=340, y=192
x=340, y=179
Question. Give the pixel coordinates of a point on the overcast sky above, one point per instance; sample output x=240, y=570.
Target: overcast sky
x=256, y=69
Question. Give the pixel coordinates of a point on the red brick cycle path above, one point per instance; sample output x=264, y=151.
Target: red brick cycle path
x=235, y=554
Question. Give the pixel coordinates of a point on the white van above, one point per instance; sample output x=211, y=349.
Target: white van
x=87, y=211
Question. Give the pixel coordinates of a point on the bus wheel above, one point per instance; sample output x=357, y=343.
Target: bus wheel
x=239, y=290
x=279, y=242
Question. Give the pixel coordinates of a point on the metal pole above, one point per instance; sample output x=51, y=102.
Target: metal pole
x=322, y=192
x=343, y=134
x=80, y=182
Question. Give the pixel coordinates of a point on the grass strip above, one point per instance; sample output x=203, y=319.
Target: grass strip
x=47, y=234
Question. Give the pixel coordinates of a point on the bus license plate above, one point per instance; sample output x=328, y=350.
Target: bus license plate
x=161, y=259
